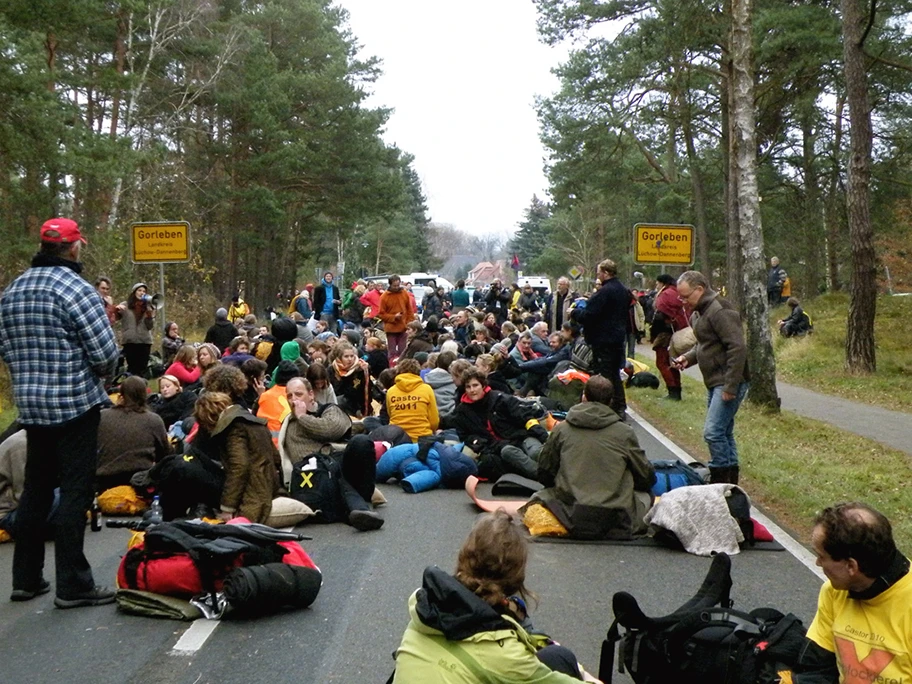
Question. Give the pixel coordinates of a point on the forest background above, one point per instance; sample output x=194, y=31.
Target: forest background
x=248, y=119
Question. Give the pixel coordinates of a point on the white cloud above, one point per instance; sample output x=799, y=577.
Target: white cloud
x=462, y=78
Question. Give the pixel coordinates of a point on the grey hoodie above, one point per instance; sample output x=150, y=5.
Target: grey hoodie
x=444, y=389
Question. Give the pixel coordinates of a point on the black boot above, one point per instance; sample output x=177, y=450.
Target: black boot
x=674, y=394
x=719, y=475
x=733, y=474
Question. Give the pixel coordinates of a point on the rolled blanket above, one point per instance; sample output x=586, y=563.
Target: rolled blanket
x=264, y=589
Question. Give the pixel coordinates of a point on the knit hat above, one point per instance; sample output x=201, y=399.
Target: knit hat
x=665, y=279
x=284, y=329
x=221, y=314
x=286, y=370
x=421, y=357
x=500, y=348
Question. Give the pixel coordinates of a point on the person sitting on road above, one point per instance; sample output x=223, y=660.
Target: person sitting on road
x=411, y=403
x=254, y=372
x=597, y=476
x=480, y=613
x=238, y=351
x=186, y=366
x=306, y=430
x=861, y=632
x=250, y=460
x=171, y=342
x=350, y=379
x=797, y=323
x=130, y=437
x=441, y=382
x=318, y=377
x=273, y=404
x=538, y=371
x=502, y=429
x=207, y=356
x=172, y=403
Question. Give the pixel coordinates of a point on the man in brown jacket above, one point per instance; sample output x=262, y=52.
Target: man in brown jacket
x=395, y=311
x=722, y=356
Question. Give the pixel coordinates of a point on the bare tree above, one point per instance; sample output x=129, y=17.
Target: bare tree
x=860, y=355
x=744, y=152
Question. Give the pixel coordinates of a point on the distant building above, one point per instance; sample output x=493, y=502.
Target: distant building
x=485, y=273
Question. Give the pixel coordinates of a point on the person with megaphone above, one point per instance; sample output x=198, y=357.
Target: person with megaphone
x=137, y=319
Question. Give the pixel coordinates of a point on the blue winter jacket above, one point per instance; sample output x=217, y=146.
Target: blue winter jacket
x=445, y=466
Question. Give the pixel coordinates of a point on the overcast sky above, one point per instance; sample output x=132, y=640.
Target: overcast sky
x=462, y=78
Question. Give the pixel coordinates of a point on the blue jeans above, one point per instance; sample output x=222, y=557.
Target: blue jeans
x=719, y=429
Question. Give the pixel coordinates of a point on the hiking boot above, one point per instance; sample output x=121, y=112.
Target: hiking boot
x=365, y=521
x=99, y=596
x=28, y=594
x=674, y=394
x=719, y=475
x=733, y=474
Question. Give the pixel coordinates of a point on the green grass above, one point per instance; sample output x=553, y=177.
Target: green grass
x=794, y=466
x=817, y=361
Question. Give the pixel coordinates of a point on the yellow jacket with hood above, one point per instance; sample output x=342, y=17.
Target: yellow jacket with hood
x=411, y=405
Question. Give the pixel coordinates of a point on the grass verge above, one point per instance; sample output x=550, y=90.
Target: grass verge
x=793, y=466
x=816, y=362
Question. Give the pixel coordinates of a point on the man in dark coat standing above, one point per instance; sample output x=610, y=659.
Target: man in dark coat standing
x=605, y=322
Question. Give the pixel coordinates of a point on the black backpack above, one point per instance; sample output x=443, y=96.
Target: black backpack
x=705, y=641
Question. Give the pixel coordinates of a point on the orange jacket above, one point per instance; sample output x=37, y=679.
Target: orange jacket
x=392, y=303
x=273, y=406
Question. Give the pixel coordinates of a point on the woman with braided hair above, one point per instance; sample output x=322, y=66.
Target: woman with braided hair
x=473, y=626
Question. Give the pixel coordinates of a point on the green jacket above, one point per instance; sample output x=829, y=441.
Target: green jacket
x=595, y=460
x=484, y=647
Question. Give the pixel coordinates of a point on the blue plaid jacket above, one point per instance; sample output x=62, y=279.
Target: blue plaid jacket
x=58, y=344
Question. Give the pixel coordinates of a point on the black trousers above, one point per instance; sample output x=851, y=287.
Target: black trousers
x=137, y=356
x=607, y=361
x=67, y=455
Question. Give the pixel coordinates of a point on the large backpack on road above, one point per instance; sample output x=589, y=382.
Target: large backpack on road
x=705, y=641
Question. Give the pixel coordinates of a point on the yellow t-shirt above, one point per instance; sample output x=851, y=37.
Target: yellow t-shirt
x=872, y=639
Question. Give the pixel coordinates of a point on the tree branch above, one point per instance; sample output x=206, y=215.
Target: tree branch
x=890, y=62
x=871, y=17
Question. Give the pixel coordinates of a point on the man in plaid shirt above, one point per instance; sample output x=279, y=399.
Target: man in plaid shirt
x=58, y=344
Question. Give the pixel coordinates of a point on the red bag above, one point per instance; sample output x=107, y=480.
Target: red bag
x=176, y=573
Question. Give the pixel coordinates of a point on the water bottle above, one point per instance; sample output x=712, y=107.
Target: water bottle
x=154, y=515
x=96, y=515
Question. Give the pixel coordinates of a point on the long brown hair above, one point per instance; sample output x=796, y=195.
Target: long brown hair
x=492, y=561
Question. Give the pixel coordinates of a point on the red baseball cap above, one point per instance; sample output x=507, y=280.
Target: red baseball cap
x=61, y=230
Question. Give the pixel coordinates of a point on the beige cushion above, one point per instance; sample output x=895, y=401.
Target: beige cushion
x=287, y=512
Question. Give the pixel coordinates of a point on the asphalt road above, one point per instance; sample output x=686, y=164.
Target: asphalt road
x=350, y=632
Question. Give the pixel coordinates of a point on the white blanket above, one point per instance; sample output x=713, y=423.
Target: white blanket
x=699, y=516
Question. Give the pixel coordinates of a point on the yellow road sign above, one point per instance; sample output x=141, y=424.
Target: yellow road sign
x=161, y=242
x=663, y=243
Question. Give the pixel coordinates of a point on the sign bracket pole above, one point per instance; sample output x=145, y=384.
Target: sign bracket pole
x=161, y=288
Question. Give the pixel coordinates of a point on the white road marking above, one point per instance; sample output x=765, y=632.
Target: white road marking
x=193, y=639
x=792, y=545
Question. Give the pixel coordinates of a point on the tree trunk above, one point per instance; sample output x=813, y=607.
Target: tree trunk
x=860, y=355
x=699, y=200
x=733, y=236
x=813, y=223
x=759, y=344
x=833, y=215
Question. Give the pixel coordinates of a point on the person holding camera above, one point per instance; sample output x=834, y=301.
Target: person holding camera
x=137, y=318
x=497, y=301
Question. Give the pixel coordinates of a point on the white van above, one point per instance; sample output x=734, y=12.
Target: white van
x=540, y=284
